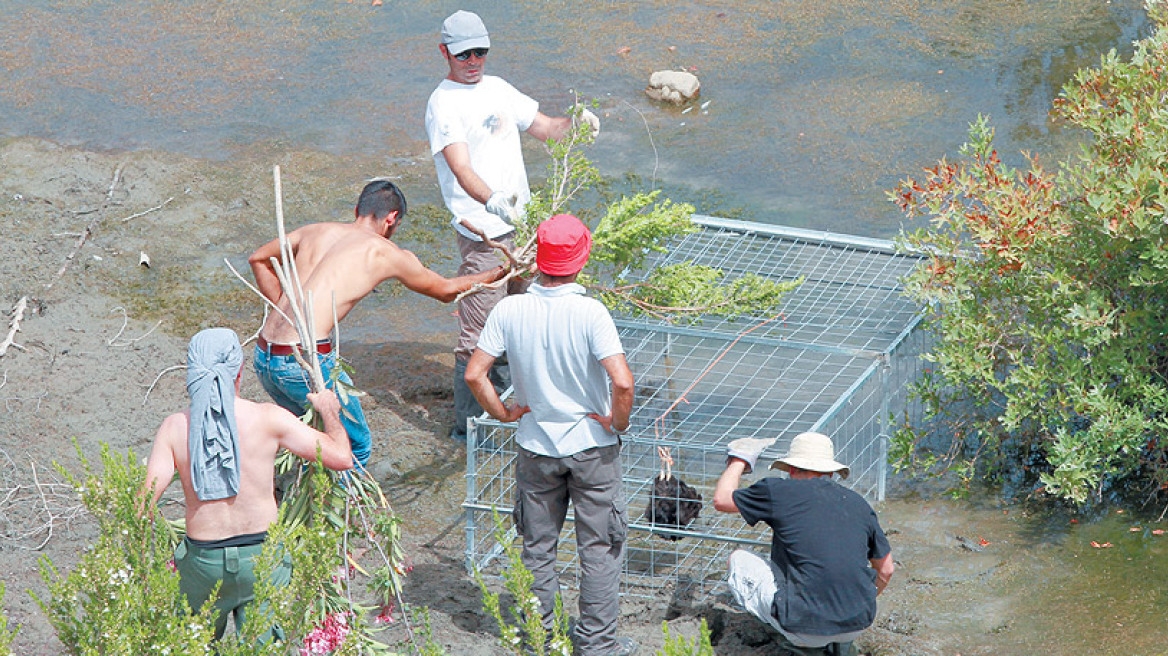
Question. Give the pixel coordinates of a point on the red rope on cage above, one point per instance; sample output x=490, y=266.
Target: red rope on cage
x=660, y=420
x=673, y=503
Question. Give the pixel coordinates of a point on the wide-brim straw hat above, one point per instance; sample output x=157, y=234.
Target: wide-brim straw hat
x=811, y=452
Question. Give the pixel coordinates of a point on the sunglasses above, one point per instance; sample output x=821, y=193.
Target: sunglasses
x=477, y=52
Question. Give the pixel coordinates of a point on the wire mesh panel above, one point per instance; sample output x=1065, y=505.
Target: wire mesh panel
x=838, y=359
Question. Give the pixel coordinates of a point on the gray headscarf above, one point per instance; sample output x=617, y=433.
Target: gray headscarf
x=213, y=361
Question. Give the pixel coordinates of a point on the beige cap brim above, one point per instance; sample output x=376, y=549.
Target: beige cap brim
x=812, y=464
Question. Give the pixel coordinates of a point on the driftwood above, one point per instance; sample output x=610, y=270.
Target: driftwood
x=145, y=212
x=88, y=228
x=113, y=341
x=177, y=367
x=30, y=511
x=14, y=326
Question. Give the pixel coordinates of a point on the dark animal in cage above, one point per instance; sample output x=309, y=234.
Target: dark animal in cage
x=673, y=502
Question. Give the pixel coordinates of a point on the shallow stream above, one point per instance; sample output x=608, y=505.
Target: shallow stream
x=999, y=579
x=809, y=111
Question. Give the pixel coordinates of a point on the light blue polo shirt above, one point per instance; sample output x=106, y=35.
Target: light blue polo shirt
x=555, y=338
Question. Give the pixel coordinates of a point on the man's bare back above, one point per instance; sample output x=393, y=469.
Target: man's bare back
x=342, y=263
x=338, y=263
x=263, y=429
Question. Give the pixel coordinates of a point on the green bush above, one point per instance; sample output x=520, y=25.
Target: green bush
x=525, y=635
x=1047, y=290
x=5, y=634
x=628, y=231
x=123, y=597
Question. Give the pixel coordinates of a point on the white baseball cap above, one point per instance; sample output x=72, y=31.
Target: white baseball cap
x=464, y=30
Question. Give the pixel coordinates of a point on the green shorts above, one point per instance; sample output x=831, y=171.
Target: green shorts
x=200, y=568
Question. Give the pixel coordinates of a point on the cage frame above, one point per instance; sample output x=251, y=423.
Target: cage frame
x=878, y=362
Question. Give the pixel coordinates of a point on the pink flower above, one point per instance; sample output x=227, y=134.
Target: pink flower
x=386, y=615
x=327, y=637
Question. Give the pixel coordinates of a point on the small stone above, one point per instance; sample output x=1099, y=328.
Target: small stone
x=673, y=86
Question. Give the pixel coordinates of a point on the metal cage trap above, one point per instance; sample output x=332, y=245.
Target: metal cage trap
x=838, y=360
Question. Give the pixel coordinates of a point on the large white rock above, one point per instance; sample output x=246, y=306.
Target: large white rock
x=673, y=86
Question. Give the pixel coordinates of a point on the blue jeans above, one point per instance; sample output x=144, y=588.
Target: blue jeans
x=288, y=386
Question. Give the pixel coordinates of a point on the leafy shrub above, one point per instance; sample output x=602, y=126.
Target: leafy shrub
x=629, y=230
x=5, y=635
x=1047, y=290
x=123, y=597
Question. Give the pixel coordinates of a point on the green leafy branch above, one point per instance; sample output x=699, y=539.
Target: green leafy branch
x=633, y=229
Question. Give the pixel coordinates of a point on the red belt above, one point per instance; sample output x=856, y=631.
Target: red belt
x=323, y=346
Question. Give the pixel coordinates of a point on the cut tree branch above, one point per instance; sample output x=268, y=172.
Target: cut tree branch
x=511, y=257
x=14, y=326
x=113, y=341
x=152, y=209
x=157, y=378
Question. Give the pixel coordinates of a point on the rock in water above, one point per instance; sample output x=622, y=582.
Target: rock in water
x=673, y=504
x=673, y=86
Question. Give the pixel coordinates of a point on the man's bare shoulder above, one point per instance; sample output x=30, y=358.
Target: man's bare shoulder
x=245, y=408
x=346, y=239
x=178, y=421
x=316, y=230
x=389, y=253
x=173, y=430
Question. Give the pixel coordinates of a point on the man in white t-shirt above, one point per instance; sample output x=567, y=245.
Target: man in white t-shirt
x=574, y=395
x=474, y=123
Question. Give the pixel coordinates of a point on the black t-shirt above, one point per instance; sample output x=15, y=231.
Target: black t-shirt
x=823, y=536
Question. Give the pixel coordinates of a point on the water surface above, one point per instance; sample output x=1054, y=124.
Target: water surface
x=814, y=108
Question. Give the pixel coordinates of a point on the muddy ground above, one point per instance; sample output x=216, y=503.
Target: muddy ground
x=94, y=361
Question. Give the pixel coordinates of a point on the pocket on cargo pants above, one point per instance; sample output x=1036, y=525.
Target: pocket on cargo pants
x=618, y=521
x=517, y=514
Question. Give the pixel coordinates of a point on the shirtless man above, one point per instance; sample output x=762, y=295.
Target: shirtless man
x=341, y=263
x=224, y=450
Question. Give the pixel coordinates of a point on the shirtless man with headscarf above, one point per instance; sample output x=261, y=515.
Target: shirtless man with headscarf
x=341, y=263
x=224, y=449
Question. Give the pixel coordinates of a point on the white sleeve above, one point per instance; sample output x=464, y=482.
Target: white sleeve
x=523, y=107
x=491, y=337
x=605, y=340
x=443, y=124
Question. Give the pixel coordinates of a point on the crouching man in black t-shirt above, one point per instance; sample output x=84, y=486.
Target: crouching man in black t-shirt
x=829, y=557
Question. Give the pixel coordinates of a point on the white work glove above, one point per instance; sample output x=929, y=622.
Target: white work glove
x=748, y=450
x=586, y=116
x=503, y=206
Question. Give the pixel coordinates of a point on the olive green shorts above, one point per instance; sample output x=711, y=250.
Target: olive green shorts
x=200, y=568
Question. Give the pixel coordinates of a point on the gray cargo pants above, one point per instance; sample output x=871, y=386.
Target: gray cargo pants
x=591, y=480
